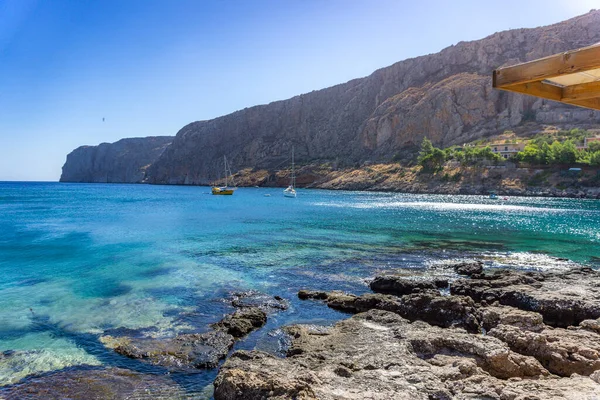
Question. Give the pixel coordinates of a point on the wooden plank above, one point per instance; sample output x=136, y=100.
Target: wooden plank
x=569, y=62
x=583, y=91
x=538, y=89
x=551, y=92
x=589, y=103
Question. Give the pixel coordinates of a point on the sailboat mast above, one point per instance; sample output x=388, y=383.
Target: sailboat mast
x=293, y=174
x=225, y=165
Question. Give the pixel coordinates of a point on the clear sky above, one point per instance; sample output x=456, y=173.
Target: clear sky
x=148, y=67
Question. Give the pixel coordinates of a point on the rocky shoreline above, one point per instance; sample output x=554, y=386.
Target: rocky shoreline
x=490, y=334
x=452, y=180
x=502, y=335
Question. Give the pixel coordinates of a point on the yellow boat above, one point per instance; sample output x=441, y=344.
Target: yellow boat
x=225, y=190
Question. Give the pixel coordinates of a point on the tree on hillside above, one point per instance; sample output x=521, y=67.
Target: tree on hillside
x=433, y=161
x=431, y=158
x=426, y=149
x=593, y=147
x=567, y=153
x=545, y=155
x=530, y=154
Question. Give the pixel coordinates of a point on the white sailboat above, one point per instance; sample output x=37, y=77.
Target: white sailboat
x=291, y=190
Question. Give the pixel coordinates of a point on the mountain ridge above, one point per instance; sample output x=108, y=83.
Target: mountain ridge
x=446, y=96
x=124, y=161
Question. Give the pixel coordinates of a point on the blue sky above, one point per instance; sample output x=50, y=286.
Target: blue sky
x=151, y=66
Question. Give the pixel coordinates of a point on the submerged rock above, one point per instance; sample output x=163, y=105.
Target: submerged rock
x=203, y=350
x=380, y=355
x=255, y=299
x=199, y=350
x=16, y=365
x=95, y=384
x=562, y=298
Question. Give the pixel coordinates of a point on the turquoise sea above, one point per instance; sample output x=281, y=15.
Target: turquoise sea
x=79, y=260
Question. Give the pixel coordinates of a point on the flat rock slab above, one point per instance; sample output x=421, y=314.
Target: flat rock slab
x=97, y=384
x=429, y=306
x=399, y=286
x=203, y=350
x=562, y=298
x=379, y=355
x=562, y=351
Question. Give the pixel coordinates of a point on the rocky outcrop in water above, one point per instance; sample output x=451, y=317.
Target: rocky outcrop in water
x=95, y=384
x=201, y=350
x=508, y=352
x=430, y=306
x=125, y=161
x=445, y=96
x=186, y=351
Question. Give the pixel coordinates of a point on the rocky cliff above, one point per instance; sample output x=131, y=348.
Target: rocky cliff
x=124, y=161
x=446, y=96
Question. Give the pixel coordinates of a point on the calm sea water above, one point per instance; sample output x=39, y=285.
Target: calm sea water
x=79, y=260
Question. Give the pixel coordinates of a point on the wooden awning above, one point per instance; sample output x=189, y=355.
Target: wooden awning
x=572, y=77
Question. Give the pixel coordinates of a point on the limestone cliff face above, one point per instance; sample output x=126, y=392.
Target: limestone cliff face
x=124, y=161
x=445, y=96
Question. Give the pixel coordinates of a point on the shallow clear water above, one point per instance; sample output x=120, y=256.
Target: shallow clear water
x=78, y=260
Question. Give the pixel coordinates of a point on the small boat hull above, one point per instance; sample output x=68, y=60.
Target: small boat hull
x=289, y=192
x=222, y=191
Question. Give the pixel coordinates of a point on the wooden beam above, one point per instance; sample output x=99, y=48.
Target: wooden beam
x=552, y=92
x=582, y=91
x=538, y=89
x=589, y=103
x=569, y=62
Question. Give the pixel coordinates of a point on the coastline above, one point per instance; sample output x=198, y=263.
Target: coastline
x=485, y=333
x=501, y=335
x=162, y=325
x=451, y=180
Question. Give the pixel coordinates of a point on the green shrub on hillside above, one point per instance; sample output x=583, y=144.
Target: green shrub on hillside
x=431, y=158
x=541, y=152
